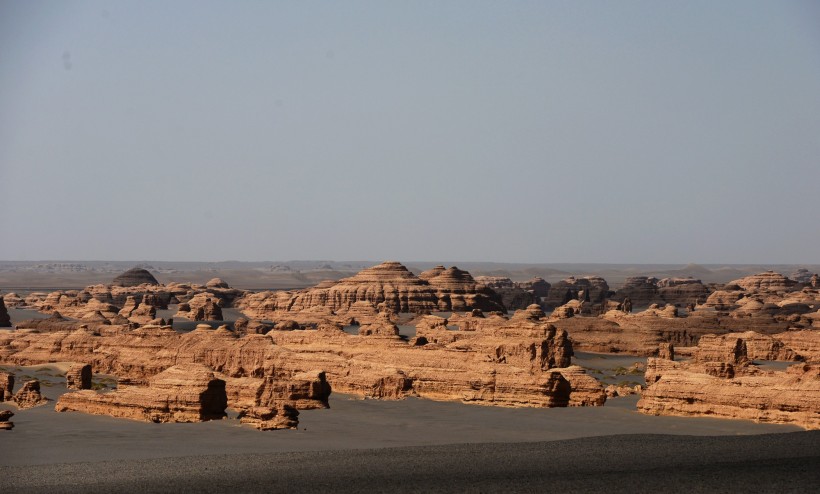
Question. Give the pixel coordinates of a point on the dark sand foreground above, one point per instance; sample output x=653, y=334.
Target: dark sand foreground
x=408, y=445
x=634, y=463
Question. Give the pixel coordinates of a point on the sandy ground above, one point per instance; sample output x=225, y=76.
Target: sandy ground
x=637, y=463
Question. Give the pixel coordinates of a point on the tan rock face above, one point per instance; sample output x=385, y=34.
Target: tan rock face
x=804, y=344
x=720, y=381
x=202, y=307
x=768, y=281
x=595, y=290
x=141, y=313
x=641, y=333
x=29, y=395
x=585, y=390
x=726, y=348
x=766, y=347
x=666, y=351
x=5, y=424
x=791, y=397
x=388, y=284
x=5, y=320
x=6, y=386
x=182, y=393
x=135, y=277
x=456, y=290
x=11, y=299
x=78, y=376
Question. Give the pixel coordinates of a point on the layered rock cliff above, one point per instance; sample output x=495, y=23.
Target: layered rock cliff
x=182, y=393
x=389, y=285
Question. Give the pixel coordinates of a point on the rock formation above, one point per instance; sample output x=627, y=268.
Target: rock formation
x=182, y=393
x=216, y=283
x=201, y=307
x=5, y=320
x=29, y=395
x=768, y=281
x=78, y=377
x=140, y=314
x=456, y=290
x=5, y=415
x=720, y=380
x=790, y=397
x=594, y=288
x=501, y=361
x=389, y=285
x=135, y=277
x=513, y=296
x=682, y=291
x=11, y=299
x=641, y=290
x=6, y=386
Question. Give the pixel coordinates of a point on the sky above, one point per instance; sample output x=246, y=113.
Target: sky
x=544, y=131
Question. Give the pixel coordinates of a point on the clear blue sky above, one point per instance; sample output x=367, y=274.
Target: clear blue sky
x=540, y=131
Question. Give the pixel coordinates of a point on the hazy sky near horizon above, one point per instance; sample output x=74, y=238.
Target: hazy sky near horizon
x=650, y=131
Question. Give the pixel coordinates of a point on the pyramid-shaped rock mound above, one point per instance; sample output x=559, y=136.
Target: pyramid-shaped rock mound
x=135, y=277
x=388, y=283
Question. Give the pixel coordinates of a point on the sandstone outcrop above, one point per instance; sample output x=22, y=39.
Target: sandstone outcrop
x=182, y=393
x=538, y=286
x=141, y=313
x=515, y=296
x=496, y=361
x=593, y=289
x=666, y=351
x=641, y=290
x=11, y=300
x=456, y=290
x=6, y=386
x=768, y=281
x=135, y=277
x=790, y=397
x=78, y=376
x=613, y=391
x=804, y=344
x=216, y=283
x=389, y=285
x=29, y=395
x=381, y=328
x=682, y=291
x=201, y=307
x=271, y=418
x=57, y=323
x=5, y=424
x=767, y=347
x=5, y=320
x=585, y=390
x=640, y=333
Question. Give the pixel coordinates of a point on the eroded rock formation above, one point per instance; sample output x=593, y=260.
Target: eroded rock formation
x=78, y=376
x=790, y=397
x=5, y=320
x=507, y=362
x=389, y=285
x=6, y=386
x=201, y=307
x=29, y=395
x=592, y=289
x=721, y=380
x=135, y=277
x=5, y=424
x=182, y=393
